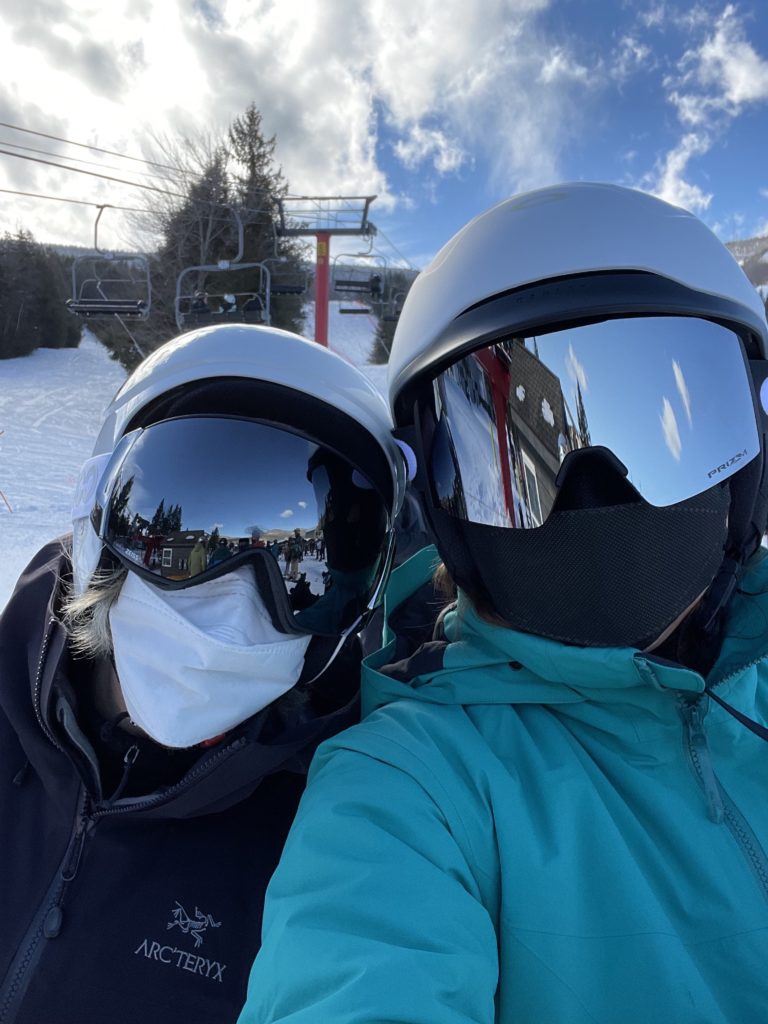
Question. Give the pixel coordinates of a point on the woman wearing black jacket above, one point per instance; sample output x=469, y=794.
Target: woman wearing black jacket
x=156, y=727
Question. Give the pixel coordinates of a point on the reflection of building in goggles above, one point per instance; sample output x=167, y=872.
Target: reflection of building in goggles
x=670, y=397
x=188, y=499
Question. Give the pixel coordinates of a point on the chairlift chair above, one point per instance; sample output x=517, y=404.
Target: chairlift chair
x=359, y=279
x=355, y=310
x=187, y=317
x=250, y=307
x=288, y=283
x=396, y=306
x=98, y=292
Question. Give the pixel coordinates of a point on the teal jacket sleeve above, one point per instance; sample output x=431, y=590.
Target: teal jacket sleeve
x=373, y=914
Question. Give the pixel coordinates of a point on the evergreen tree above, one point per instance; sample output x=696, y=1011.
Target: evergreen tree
x=396, y=285
x=585, y=437
x=258, y=184
x=220, y=179
x=157, y=524
x=33, y=312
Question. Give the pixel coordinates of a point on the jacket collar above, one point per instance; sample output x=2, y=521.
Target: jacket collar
x=482, y=663
x=34, y=666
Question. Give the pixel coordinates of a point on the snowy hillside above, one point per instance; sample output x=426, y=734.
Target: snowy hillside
x=51, y=406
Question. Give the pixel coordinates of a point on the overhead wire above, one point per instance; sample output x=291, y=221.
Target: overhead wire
x=64, y=199
x=65, y=156
x=121, y=181
x=392, y=245
x=85, y=145
x=93, y=174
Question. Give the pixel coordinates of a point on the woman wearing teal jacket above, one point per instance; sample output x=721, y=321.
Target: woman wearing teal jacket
x=556, y=807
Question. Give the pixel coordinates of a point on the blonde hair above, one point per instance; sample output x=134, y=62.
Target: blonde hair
x=86, y=616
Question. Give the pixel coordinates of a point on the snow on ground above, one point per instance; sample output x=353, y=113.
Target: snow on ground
x=351, y=337
x=51, y=408
x=51, y=405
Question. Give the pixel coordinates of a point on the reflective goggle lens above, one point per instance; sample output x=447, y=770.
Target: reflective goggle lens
x=184, y=496
x=669, y=396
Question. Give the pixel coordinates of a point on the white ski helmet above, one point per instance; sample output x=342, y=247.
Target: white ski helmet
x=538, y=266
x=296, y=382
x=560, y=232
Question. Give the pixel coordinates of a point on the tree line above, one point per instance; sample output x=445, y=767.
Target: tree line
x=213, y=186
x=216, y=180
x=34, y=284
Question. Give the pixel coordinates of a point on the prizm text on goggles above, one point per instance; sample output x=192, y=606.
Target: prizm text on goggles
x=189, y=499
x=669, y=396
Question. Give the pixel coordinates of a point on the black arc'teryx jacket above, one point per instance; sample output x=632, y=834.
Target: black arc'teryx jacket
x=146, y=907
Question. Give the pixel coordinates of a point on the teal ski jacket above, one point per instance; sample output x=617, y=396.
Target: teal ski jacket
x=530, y=833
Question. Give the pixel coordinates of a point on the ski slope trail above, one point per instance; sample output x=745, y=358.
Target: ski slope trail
x=51, y=406
x=51, y=409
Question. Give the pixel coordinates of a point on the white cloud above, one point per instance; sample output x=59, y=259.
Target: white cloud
x=447, y=156
x=670, y=430
x=682, y=388
x=576, y=369
x=447, y=83
x=301, y=504
x=630, y=56
x=668, y=181
x=713, y=83
x=560, y=66
x=286, y=514
x=654, y=16
x=721, y=76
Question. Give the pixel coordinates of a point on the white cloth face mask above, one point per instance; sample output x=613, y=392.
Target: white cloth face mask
x=194, y=663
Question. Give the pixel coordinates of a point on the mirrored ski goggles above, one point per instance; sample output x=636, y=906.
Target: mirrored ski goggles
x=671, y=397
x=189, y=499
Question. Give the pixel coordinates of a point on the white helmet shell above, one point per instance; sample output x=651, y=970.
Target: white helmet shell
x=235, y=350
x=561, y=231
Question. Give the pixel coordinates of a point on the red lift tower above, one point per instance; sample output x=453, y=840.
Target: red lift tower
x=322, y=217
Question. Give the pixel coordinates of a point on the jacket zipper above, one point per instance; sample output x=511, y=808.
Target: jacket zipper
x=125, y=806
x=720, y=806
x=37, y=693
x=698, y=752
x=47, y=921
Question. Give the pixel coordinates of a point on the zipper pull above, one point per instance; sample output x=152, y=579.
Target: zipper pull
x=129, y=760
x=53, y=921
x=69, y=870
x=694, y=718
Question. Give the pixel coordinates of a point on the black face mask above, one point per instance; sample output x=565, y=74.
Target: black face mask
x=616, y=575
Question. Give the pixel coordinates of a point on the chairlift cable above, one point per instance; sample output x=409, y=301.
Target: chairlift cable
x=85, y=145
x=136, y=345
x=93, y=174
x=410, y=266
x=63, y=156
x=64, y=199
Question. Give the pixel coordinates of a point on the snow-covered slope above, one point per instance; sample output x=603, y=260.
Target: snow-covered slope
x=51, y=406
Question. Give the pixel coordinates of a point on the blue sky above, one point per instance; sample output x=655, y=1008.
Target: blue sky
x=439, y=107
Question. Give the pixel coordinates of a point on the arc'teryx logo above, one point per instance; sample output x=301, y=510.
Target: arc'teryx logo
x=194, y=926
x=182, y=958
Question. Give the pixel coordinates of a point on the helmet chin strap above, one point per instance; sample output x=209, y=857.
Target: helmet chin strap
x=673, y=625
x=323, y=651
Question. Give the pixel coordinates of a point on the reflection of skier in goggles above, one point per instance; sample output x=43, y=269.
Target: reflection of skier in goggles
x=556, y=809
x=351, y=516
x=158, y=713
